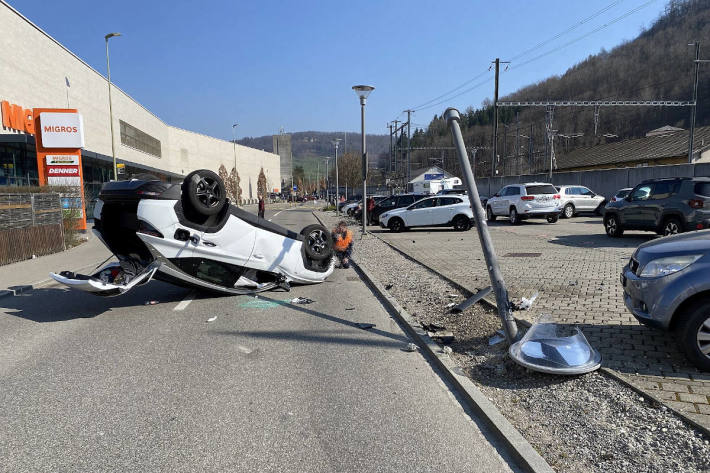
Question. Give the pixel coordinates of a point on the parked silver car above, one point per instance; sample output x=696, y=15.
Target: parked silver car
x=667, y=285
x=577, y=199
x=522, y=201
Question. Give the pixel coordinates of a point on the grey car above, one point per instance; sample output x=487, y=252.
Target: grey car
x=667, y=285
x=666, y=206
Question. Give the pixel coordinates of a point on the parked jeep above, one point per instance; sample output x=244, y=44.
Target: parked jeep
x=665, y=206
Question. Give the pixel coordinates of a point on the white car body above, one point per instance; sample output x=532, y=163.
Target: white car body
x=576, y=199
x=232, y=252
x=350, y=208
x=431, y=212
x=523, y=201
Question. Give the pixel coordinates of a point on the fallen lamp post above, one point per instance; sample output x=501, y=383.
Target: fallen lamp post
x=545, y=347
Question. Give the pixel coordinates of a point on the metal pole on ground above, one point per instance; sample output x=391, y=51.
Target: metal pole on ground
x=494, y=272
x=110, y=105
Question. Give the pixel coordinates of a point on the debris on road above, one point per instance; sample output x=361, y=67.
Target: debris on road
x=150, y=302
x=525, y=303
x=444, y=336
x=450, y=304
x=409, y=347
x=388, y=286
x=212, y=319
x=432, y=327
x=447, y=350
x=364, y=326
x=301, y=300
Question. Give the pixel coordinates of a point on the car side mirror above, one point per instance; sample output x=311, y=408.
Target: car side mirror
x=496, y=195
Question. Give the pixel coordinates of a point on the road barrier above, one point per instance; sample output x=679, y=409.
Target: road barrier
x=30, y=225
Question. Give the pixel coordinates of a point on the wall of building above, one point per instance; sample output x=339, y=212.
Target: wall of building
x=34, y=69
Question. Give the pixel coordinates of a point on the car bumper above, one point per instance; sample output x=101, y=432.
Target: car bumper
x=539, y=212
x=645, y=298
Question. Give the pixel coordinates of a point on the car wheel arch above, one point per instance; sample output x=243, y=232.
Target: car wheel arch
x=672, y=215
x=686, y=305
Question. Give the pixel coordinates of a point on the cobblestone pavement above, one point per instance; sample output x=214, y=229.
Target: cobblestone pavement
x=575, y=267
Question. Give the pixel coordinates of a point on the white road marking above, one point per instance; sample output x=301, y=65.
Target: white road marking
x=274, y=216
x=185, y=302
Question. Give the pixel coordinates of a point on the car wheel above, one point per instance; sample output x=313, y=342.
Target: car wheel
x=461, y=223
x=318, y=242
x=612, y=226
x=568, y=212
x=672, y=226
x=513, y=216
x=693, y=334
x=553, y=218
x=396, y=225
x=204, y=192
x=490, y=216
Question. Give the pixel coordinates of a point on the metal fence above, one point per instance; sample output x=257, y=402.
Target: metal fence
x=30, y=225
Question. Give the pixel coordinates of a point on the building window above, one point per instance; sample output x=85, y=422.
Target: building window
x=133, y=137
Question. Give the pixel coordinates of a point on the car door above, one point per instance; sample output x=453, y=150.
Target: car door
x=632, y=212
x=443, y=213
x=512, y=198
x=420, y=213
x=498, y=204
x=659, y=202
x=583, y=199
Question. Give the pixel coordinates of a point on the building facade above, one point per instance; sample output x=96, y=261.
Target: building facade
x=36, y=71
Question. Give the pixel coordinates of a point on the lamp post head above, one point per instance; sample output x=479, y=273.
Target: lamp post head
x=111, y=35
x=363, y=91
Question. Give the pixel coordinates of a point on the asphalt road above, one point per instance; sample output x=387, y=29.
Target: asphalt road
x=91, y=384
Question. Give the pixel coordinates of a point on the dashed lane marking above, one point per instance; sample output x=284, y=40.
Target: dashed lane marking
x=185, y=302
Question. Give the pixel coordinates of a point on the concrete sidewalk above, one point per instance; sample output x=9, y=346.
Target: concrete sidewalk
x=35, y=272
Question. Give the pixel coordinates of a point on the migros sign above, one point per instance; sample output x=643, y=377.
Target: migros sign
x=17, y=118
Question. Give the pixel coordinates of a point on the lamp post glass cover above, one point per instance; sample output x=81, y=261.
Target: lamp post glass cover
x=363, y=91
x=111, y=35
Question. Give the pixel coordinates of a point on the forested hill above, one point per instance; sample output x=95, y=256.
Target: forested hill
x=658, y=64
x=305, y=144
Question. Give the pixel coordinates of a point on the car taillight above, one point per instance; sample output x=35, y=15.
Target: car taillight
x=528, y=197
x=148, y=229
x=613, y=199
x=556, y=196
x=696, y=203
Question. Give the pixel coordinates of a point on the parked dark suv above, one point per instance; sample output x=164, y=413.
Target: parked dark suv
x=665, y=206
x=393, y=202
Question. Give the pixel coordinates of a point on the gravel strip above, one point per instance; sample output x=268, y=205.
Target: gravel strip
x=588, y=423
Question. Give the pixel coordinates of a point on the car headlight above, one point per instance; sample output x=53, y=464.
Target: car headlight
x=384, y=215
x=664, y=266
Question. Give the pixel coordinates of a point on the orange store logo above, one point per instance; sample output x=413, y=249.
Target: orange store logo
x=17, y=118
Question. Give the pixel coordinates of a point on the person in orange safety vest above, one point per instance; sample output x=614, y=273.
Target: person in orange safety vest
x=343, y=243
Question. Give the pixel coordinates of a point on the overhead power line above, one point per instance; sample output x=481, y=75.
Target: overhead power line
x=599, y=103
x=580, y=38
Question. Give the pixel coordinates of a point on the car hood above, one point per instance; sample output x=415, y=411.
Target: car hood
x=691, y=243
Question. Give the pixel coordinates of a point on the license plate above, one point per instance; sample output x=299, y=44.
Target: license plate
x=543, y=198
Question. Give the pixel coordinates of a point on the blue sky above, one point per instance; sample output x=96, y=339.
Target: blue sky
x=268, y=64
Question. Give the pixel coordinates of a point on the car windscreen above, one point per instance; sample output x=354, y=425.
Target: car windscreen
x=538, y=189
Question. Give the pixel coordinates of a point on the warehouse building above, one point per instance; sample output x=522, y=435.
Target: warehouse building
x=37, y=72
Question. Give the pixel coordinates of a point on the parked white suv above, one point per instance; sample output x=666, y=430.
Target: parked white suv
x=576, y=199
x=439, y=211
x=523, y=201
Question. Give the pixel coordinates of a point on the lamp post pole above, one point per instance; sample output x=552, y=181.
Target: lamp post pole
x=234, y=146
x=337, y=184
x=110, y=105
x=363, y=91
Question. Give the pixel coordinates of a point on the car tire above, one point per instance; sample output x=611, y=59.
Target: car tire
x=461, y=223
x=568, y=211
x=553, y=218
x=204, y=192
x=513, y=216
x=490, y=216
x=693, y=334
x=612, y=226
x=396, y=225
x=671, y=226
x=317, y=242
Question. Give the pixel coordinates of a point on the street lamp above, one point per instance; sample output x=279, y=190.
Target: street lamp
x=363, y=91
x=337, y=188
x=110, y=105
x=234, y=145
x=327, y=181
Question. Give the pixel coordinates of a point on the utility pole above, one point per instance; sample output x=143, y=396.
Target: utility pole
x=394, y=151
x=409, y=144
x=389, y=161
x=517, y=142
x=691, y=135
x=495, y=121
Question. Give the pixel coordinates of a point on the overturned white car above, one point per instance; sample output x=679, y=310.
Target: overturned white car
x=191, y=235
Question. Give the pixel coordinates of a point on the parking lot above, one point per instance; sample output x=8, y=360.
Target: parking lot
x=575, y=267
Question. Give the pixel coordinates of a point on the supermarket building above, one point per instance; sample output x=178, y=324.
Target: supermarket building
x=36, y=71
